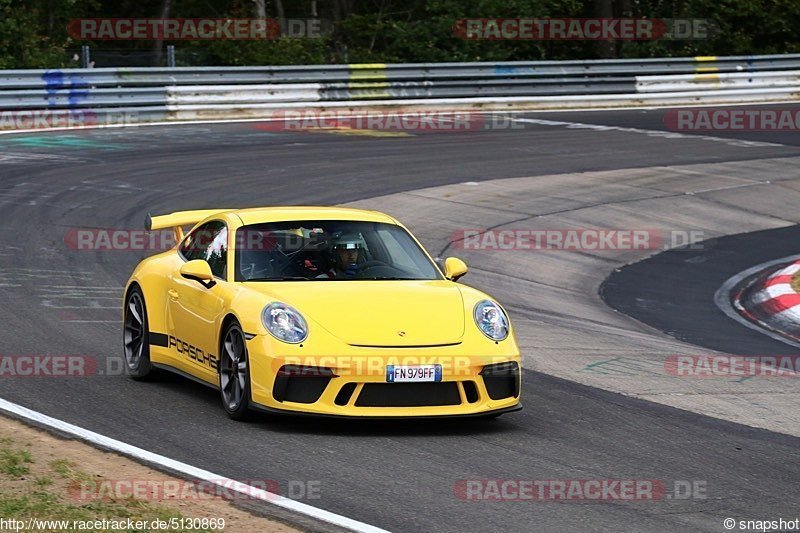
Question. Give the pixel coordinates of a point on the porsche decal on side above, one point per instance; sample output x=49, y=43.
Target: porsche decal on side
x=193, y=353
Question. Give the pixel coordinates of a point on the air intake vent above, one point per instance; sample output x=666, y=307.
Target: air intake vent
x=408, y=394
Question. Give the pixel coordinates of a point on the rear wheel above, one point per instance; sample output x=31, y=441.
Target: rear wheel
x=136, y=336
x=234, y=374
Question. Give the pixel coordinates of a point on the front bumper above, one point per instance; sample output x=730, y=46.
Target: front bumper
x=378, y=416
x=355, y=385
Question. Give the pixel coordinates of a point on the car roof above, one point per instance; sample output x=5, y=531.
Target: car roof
x=259, y=215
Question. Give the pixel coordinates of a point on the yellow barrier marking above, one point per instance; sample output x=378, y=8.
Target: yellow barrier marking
x=706, y=77
x=701, y=59
x=368, y=85
x=368, y=71
x=368, y=80
x=355, y=66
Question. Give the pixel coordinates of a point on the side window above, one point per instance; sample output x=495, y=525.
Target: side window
x=217, y=253
x=208, y=242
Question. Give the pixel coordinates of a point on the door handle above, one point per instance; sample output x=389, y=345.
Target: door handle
x=173, y=294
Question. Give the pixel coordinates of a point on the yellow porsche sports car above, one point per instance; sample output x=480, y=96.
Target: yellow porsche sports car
x=317, y=310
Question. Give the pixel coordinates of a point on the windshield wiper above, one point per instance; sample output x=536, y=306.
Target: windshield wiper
x=386, y=277
x=281, y=278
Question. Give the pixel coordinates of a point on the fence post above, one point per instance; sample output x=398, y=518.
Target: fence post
x=85, y=58
x=170, y=55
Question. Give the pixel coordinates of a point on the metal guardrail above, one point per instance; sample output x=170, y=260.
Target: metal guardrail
x=185, y=92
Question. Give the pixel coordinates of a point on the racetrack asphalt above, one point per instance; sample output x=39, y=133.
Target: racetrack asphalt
x=399, y=476
x=691, y=313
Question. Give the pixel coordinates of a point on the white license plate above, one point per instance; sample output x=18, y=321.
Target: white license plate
x=405, y=374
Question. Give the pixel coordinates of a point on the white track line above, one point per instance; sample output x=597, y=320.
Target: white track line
x=188, y=470
x=650, y=133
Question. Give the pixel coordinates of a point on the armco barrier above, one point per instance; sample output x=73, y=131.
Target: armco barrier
x=738, y=80
x=189, y=93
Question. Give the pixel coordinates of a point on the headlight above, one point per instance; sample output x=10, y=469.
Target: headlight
x=285, y=323
x=491, y=320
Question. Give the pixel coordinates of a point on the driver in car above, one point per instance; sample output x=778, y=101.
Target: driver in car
x=345, y=250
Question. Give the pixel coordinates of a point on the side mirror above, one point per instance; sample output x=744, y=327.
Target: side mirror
x=454, y=268
x=198, y=270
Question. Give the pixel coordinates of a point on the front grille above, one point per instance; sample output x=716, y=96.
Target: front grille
x=408, y=394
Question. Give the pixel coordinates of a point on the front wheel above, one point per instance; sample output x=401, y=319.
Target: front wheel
x=234, y=375
x=136, y=336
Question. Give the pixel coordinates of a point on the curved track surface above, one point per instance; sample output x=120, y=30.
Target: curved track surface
x=691, y=314
x=397, y=476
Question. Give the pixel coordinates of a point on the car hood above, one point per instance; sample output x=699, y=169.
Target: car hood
x=377, y=313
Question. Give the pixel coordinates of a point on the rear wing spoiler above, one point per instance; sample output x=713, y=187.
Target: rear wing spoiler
x=177, y=220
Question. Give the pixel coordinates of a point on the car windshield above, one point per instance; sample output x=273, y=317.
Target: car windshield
x=328, y=250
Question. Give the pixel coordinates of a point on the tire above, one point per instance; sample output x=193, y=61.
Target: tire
x=234, y=373
x=136, y=336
